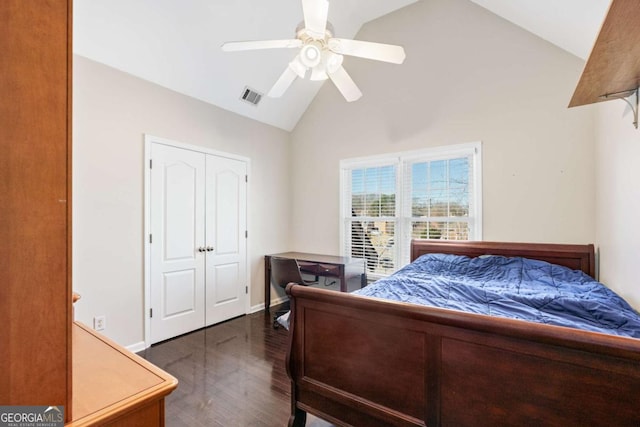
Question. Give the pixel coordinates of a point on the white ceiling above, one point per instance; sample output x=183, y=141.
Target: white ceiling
x=572, y=25
x=176, y=44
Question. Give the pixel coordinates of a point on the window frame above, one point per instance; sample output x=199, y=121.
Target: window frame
x=404, y=215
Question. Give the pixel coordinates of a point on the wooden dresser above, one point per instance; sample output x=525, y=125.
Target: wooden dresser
x=114, y=387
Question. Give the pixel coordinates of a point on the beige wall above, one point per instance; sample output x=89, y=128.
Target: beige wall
x=469, y=76
x=618, y=199
x=111, y=113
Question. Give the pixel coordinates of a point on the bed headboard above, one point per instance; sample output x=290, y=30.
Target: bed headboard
x=576, y=257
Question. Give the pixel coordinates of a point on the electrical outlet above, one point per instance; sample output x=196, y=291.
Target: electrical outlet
x=99, y=323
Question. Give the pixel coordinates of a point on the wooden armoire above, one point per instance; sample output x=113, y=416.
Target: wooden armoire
x=46, y=358
x=35, y=203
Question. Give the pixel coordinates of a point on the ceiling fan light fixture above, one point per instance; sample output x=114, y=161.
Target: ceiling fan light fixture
x=298, y=67
x=310, y=55
x=332, y=61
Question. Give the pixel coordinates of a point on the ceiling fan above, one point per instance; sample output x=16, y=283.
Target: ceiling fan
x=320, y=52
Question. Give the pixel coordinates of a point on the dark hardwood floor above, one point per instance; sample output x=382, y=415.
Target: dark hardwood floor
x=231, y=374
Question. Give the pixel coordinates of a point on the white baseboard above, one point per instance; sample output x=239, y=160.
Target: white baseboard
x=279, y=300
x=139, y=346
x=256, y=308
x=260, y=307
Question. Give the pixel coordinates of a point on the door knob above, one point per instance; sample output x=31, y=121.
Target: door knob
x=202, y=249
x=209, y=248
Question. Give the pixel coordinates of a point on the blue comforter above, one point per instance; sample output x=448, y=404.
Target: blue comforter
x=516, y=288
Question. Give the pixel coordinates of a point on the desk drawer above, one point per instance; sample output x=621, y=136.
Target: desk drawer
x=308, y=267
x=329, y=270
x=318, y=269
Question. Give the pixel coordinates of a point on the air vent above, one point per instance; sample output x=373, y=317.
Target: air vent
x=251, y=96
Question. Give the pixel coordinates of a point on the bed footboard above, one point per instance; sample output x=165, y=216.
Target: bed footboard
x=361, y=361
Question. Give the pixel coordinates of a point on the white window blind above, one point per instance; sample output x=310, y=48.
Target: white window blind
x=388, y=200
x=371, y=219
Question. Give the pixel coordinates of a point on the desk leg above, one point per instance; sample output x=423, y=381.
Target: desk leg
x=267, y=283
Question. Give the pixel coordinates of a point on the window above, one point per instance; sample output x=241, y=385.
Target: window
x=389, y=200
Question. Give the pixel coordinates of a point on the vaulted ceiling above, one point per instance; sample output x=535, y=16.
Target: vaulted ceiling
x=176, y=44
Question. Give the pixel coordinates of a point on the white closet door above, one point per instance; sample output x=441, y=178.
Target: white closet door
x=177, y=249
x=226, y=225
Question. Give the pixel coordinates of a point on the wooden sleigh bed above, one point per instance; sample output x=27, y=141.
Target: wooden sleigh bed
x=362, y=361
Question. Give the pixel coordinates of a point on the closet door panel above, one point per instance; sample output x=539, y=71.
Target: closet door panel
x=177, y=248
x=226, y=226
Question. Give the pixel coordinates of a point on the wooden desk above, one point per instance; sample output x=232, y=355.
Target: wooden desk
x=114, y=387
x=346, y=269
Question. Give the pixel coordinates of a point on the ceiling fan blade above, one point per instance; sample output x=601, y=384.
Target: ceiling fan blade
x=283, y=83
x=315, y=17
x=261, y=44
x=377, y=51
x=345, y=84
